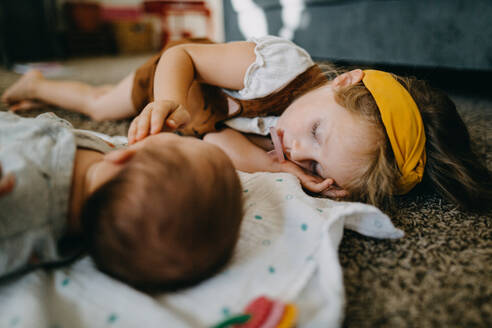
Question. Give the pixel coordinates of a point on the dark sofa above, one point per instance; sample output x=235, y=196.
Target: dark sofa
x=439, y=33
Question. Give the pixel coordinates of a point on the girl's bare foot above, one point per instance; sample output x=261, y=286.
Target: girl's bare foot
x=23, y=89
x=26, y=105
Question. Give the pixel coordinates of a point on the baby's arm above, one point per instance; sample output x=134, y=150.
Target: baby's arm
x=249, y=157
x=223, y=65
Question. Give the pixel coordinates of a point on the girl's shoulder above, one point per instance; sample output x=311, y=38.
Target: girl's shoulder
x=278, y=62
x=272, y=40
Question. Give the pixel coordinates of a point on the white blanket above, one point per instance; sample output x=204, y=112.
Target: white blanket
x=287, y=250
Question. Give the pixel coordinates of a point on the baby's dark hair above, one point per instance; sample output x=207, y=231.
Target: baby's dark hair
x=159, y=226
x=453, y=168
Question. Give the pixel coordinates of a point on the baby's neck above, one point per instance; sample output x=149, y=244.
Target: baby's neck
x=84, y=160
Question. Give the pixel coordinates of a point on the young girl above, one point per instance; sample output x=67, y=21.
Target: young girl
x=362, y=135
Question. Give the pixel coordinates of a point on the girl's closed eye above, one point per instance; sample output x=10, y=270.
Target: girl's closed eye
x=314, y=130
x=315, y=168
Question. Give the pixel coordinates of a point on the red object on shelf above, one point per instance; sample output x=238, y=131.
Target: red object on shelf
x=114, y=13
x=84, y=16
x=180, y=18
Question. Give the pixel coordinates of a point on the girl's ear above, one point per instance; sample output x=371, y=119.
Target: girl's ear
x=120, y=156
x=347, y=79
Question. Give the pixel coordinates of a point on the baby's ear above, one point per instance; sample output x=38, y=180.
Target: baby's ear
x=347, y=79
x=120, y=156
x=7, y=183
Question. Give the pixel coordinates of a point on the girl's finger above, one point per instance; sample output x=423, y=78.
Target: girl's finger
x=317, y=186
x=335, y=193
x=325, y=184
x=159, y=114
x=178, y=119
x=132, y=131
x=143, y=125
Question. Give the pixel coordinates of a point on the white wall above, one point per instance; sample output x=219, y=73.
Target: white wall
x=218, y=19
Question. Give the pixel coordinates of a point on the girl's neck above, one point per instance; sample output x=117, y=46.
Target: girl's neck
x=84, y=161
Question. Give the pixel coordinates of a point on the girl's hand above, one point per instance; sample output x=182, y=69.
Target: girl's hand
x=316, y=184
x=155, y=117
x=7, y=182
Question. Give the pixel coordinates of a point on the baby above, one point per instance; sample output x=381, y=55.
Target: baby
x=161, y=214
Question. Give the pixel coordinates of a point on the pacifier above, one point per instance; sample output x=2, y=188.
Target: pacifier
x=278, y=151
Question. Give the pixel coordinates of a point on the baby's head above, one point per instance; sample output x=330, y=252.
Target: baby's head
x=170, y=218
x=346, y=140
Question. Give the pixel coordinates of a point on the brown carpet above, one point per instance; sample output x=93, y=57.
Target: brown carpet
x=438, y=275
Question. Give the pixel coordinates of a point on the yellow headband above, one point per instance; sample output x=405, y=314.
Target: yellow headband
x=403, y=124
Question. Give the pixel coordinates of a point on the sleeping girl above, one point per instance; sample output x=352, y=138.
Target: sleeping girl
x=361, y=135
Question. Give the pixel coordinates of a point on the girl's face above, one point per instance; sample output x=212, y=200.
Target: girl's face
x=323, y=137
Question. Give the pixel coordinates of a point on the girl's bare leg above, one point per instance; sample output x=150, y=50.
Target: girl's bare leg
x=100, y=103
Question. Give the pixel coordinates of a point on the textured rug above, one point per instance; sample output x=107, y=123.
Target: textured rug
x=438, y=275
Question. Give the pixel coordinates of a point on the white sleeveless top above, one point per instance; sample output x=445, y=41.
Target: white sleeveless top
x=278, y=62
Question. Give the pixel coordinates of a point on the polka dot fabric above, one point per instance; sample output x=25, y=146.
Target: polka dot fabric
x=288, y=241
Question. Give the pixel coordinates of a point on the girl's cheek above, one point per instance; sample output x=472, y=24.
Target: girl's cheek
x=281, y=126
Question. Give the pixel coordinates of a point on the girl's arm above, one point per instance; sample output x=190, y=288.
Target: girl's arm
x=249, y=157
x=223, y=65
x=245, y=155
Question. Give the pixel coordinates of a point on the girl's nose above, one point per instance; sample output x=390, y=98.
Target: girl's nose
x=297, y=151
x=299, y=155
